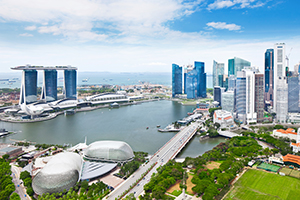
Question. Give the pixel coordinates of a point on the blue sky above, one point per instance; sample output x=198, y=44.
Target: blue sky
x=143, y=35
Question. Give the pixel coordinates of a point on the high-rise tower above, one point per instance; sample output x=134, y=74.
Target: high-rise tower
x=201, y=80
x=70, y=84
x=279, y=69
x=218, y=69
x=269, y=76
x=28, y=91
x=237, y=64
x=49, y=90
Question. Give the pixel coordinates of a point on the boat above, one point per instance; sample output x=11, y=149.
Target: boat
x=85, y=80
x=114, y=105
x=158, y=126
x=147, y=127
x=4, y=79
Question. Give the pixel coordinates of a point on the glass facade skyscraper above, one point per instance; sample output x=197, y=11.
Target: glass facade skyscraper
x=176, y=80
x=70, y=84
x=218, y=69
x=49, y=90
x=293, y=94
x=218, y=95
x=29, y=87
x=237, y=64
x=191, y=84
x=201, y=79
x=269, y=76
x=228, y=101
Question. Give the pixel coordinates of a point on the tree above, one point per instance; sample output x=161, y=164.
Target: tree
x=5, y=156
x=130, y=197
x=14, y=196
x=24, y=175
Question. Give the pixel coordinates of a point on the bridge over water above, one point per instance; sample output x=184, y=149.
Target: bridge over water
x=162, y=156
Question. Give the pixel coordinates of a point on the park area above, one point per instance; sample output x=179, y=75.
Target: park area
x=256, y=184
x=268, y=167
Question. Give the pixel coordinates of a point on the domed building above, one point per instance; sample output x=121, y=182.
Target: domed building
x=61, y=172
x=109, y=151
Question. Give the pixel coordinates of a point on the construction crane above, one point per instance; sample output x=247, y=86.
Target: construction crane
x=287, y=57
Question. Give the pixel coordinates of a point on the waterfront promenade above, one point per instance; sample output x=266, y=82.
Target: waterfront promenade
x=161, y=157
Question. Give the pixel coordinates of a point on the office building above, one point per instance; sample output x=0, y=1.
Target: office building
x=279, y=69
x=218, y=95
x=259, y=97
x=49, y=89
x=228, y=101
x=237, y=64
x=269, y=76
x=231, y=82
x=201, y=79
x=245, y=96
x=281, y=100
x=191, y=84
x=70, y=84
x=187, y=69
x=218, y=69
x=176, y=80
x=28, y=91
x=293, y=94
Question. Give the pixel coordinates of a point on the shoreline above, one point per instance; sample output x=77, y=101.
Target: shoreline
x=85, y=109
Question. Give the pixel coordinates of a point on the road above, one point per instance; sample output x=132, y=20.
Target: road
x=162, y=156
x=21, y=191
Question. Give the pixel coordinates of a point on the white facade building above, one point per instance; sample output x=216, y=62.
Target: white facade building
x=289, y=133
x=251, y=115
x=296, y=146
x=282, y=100
x=279, y=69
x=224, y=118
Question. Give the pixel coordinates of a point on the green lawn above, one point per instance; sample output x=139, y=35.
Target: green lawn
x=262, y=185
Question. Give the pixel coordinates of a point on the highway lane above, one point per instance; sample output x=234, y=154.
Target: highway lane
x=21, y=191
x=162, y=156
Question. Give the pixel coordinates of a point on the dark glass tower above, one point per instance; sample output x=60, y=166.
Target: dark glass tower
x=29, y=87
x=218, y=95
x=201, y=79
x=70, y=84
x=269, y=74
x=49, y=91
x=191, y=84
x=176, y=80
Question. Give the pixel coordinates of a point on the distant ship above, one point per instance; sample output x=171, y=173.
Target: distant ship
x=4, y=79
x=85, y=80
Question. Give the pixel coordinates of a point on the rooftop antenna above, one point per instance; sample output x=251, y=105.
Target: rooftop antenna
x=85, y=140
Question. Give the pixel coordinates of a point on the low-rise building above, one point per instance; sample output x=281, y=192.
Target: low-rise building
x=288, y=133
x=224, y=118
x=10, y=150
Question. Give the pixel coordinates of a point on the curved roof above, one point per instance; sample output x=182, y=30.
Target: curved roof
x=61, y=172
x=114, y=151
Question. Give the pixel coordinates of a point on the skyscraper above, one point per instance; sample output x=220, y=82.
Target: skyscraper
x=28, y=91
x=176, y=80
x=70, y=84
x=241, y=97
x=259, y=97
x=269, y=76
x=293, y=94
x=237, y=64
x=279, y=69
x=218, y=95
x=49, y=90
x=282, y=100
x=187, y=69
x=191, y=84
x=218, y=69
x=201, y=79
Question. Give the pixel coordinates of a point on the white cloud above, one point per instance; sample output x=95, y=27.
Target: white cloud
x=30, y=28
x=26, y=35
x=77, y=18
x=219, y=4
x=223, y=25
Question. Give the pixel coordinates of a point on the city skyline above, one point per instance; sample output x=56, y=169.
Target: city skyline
x=141, y=36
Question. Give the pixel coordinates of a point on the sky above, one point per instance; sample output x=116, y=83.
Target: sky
x=145, y=35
